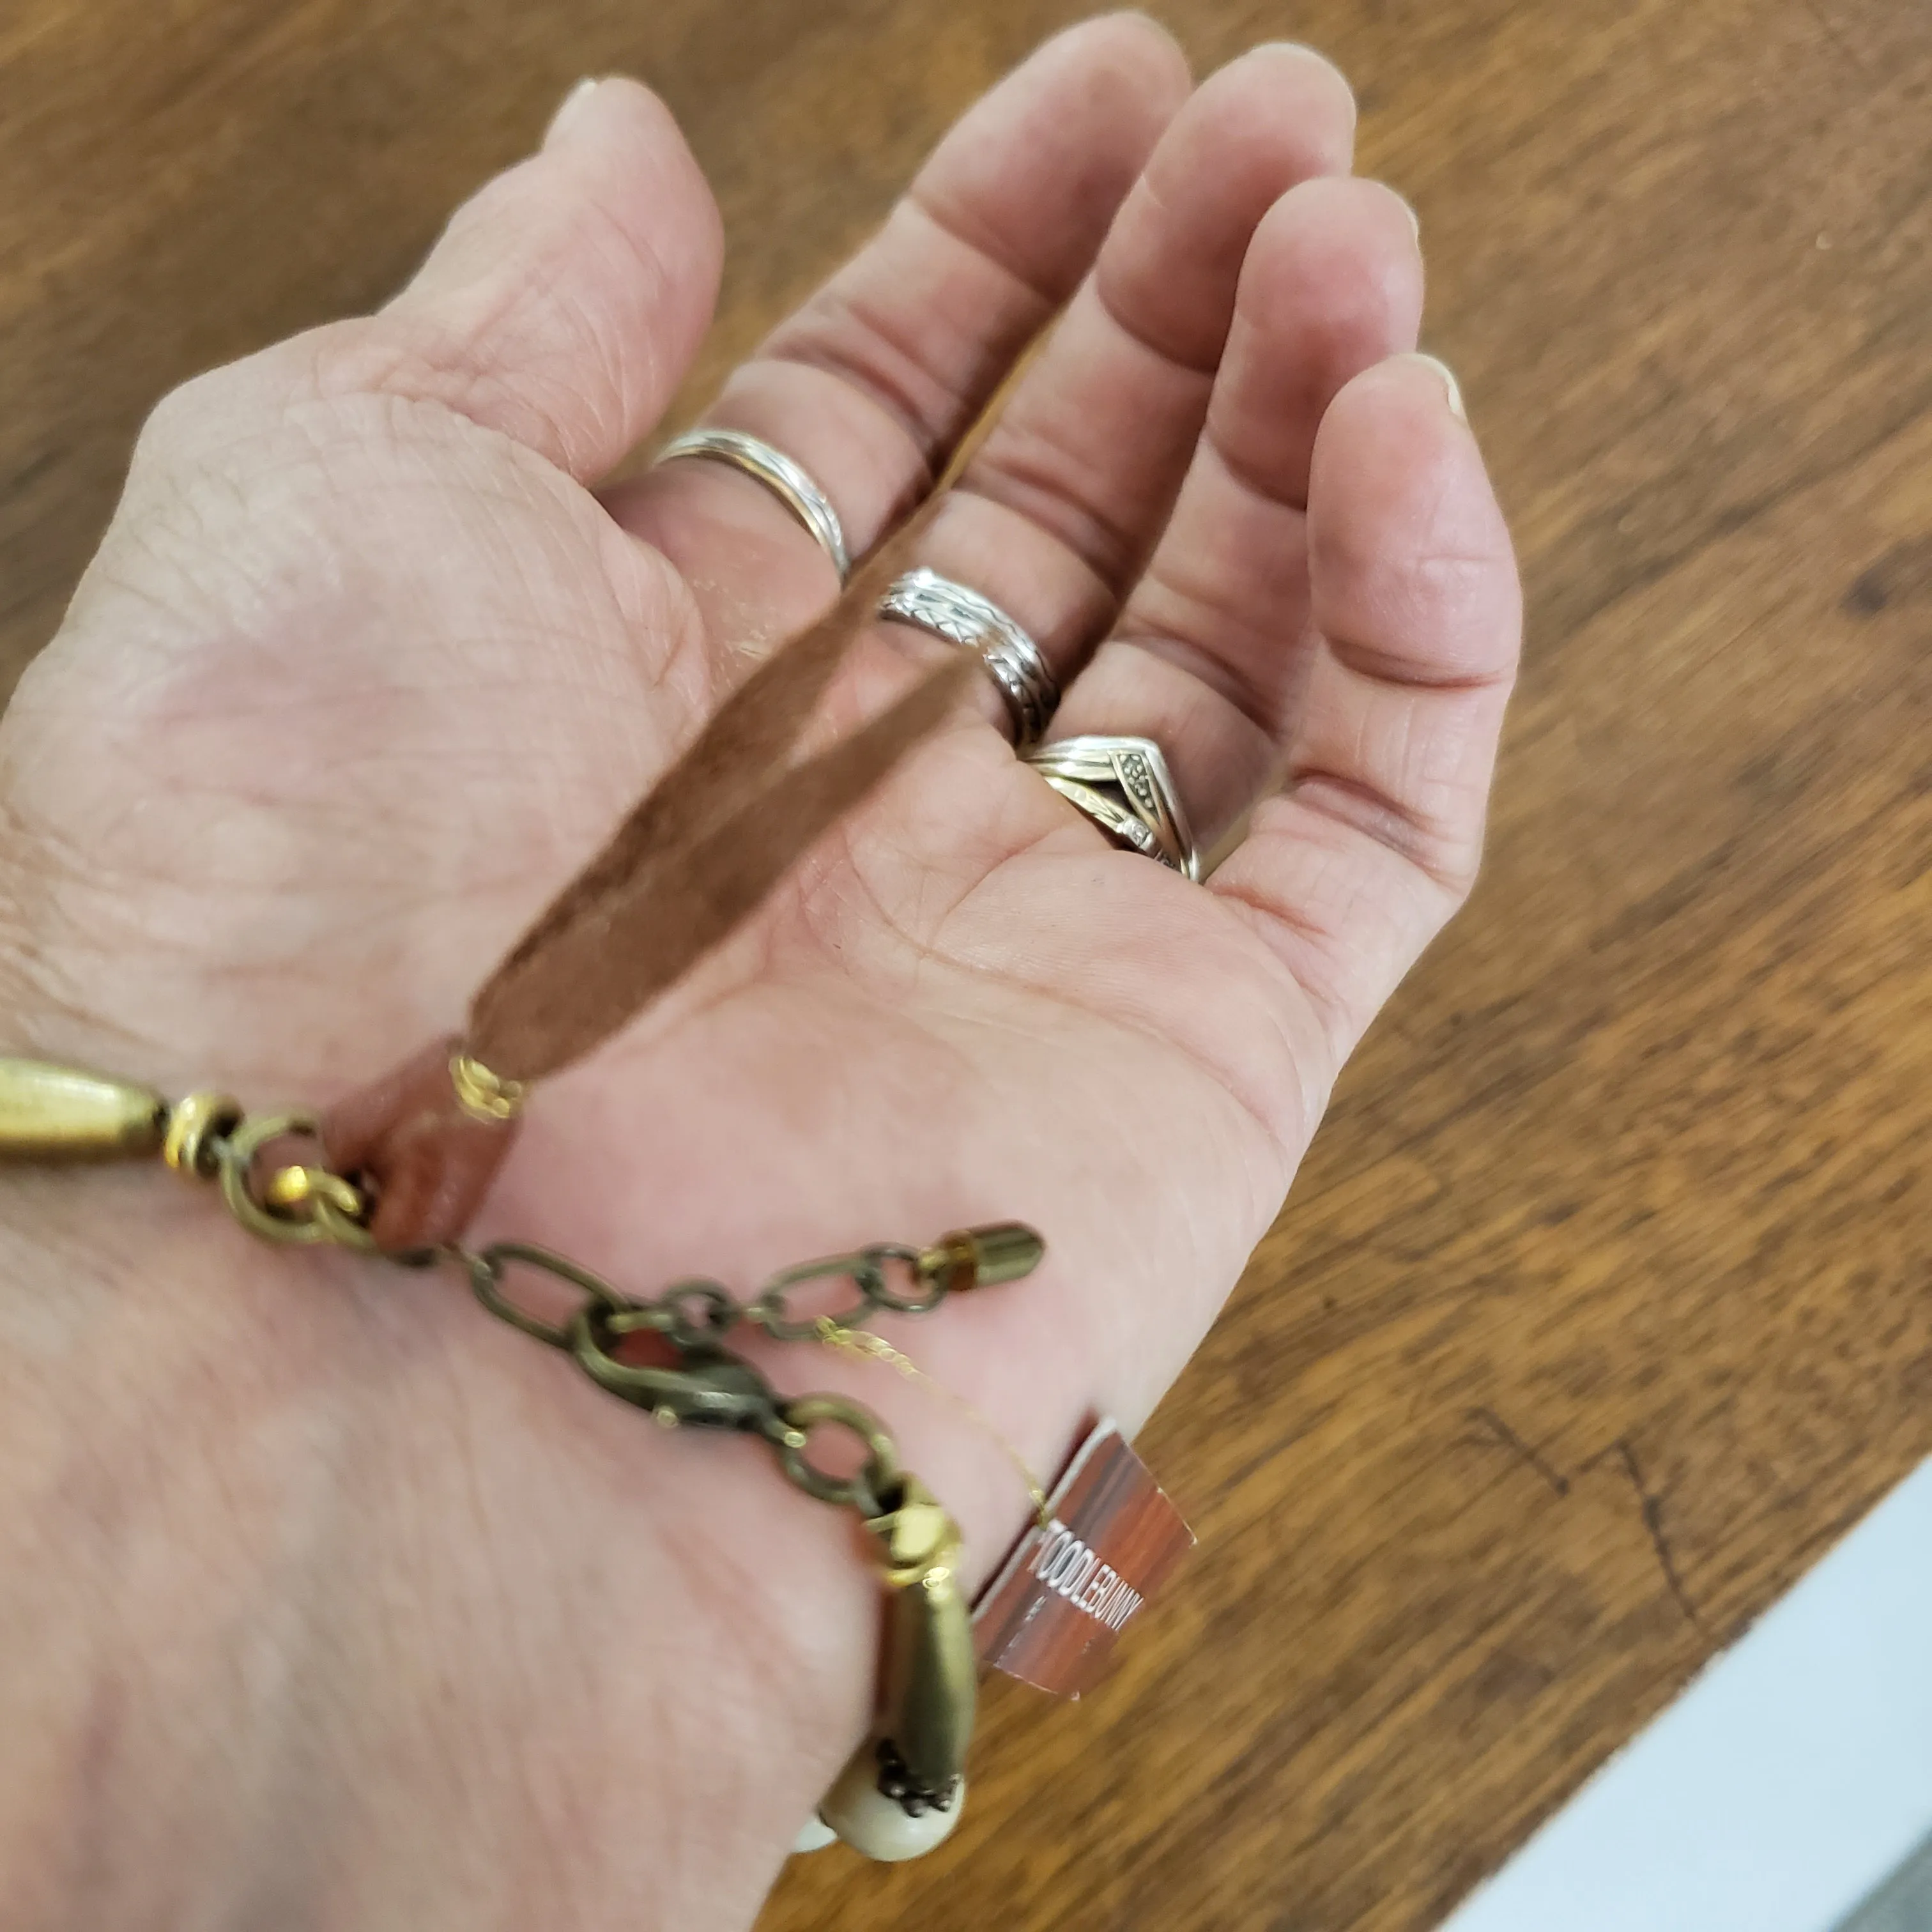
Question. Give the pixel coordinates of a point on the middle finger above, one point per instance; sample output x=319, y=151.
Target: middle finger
x=1054, y=518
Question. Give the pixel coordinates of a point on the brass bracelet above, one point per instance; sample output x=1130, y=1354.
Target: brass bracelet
x=902, y=1792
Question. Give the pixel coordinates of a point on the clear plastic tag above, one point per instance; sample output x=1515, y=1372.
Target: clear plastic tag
x=1052, y=1614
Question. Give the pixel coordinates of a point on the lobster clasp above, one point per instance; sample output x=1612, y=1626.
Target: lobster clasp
x=704, y=1386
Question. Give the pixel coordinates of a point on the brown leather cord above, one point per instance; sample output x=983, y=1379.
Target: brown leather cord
x=689, y=866
x=700, y=852
x=695, y=860
x=605, y=962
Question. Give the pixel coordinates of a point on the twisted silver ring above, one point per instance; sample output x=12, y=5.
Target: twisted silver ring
x=963, y=616
x=1123, y=784
x=778, y=473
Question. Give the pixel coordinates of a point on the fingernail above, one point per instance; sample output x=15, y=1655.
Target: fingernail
x=1415, y=220
x=572, y=106
x=1452, y=388
x=1316, y=54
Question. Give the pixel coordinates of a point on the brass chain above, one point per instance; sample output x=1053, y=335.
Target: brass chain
x=702, y=1383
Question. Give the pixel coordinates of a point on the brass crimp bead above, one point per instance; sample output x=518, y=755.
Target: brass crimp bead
x=483, y=1095
x=195, y=1125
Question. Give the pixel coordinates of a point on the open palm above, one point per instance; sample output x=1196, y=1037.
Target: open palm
x=366, y=667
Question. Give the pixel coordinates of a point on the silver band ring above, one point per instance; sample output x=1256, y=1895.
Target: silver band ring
x=779, y=475
x=963, y=616
x=1123, y=784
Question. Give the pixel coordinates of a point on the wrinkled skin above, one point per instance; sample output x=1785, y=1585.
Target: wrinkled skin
x=329, y=1600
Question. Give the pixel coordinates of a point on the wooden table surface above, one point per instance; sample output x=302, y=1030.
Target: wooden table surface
x=1599, y=1310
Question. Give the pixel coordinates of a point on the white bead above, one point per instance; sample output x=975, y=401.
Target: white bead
x=814, y=1835
x=871, y=1822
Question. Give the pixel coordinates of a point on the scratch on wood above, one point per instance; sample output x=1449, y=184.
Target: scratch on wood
x=1511, y=1441
x=1653, y=1522
x=1651, y=1506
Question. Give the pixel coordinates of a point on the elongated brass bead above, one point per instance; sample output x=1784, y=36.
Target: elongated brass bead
x=932, y=1676
x=49, y=1112
x=905, y=1787
x=901, y=1791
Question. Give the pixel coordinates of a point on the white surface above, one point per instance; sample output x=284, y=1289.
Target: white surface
x=1780, y=1788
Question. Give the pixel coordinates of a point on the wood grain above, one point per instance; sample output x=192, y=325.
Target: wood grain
x=1600, y=1309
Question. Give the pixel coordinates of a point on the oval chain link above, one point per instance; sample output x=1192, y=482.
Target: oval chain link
x=485, y=1270
x=869, y=1490
x=717, y=1312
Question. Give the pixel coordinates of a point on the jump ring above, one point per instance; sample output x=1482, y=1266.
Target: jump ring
x=865, y=1491
x=926, y=1297
x=315, y=1219
x=785, y=479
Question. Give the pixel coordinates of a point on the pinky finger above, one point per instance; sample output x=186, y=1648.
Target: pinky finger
x=1374, y=839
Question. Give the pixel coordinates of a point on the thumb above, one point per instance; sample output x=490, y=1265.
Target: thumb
x=566, y=299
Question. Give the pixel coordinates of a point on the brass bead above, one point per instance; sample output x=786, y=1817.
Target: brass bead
x=49, y=1112
x=930, y=1690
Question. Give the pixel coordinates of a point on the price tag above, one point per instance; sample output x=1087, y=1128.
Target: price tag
x=1051, y=1615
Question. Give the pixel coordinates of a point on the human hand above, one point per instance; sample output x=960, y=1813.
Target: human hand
x=365, y=667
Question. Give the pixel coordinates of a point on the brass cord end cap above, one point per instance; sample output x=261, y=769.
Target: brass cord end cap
x=483, y=1095
x=918, y=1540
x=983, y=1257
